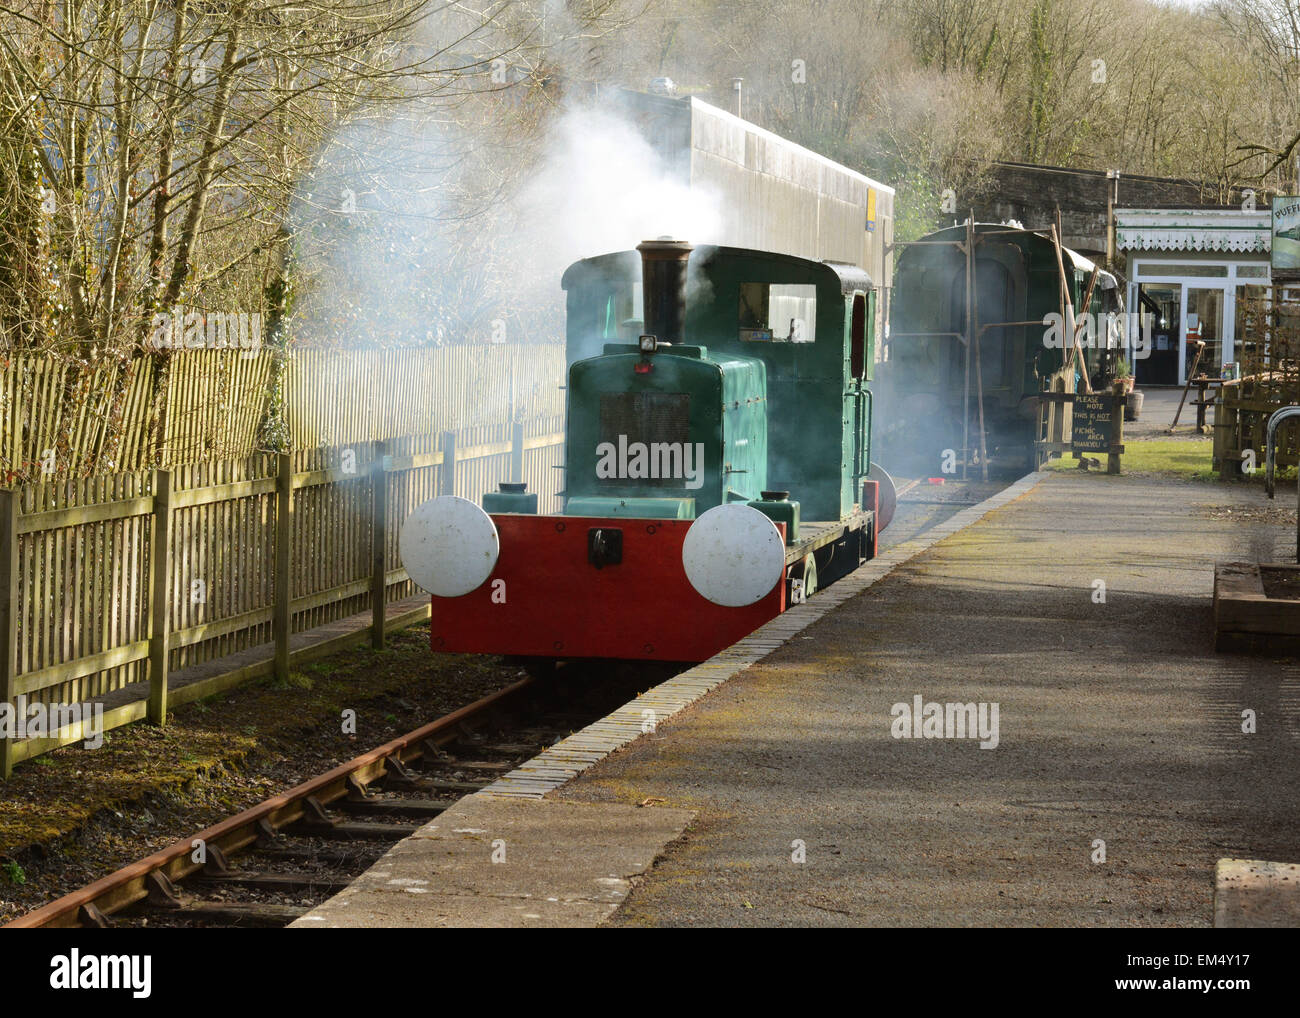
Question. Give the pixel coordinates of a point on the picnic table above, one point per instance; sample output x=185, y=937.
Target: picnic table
x=1203, y=383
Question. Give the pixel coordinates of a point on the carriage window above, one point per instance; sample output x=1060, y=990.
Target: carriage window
x=778, y=312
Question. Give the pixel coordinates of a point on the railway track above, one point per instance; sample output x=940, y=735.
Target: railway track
x=275, y=861
x=954, y=491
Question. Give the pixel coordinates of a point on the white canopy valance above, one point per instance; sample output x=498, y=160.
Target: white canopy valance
x=1210, y=230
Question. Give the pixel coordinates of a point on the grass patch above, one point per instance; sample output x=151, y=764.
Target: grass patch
x=1187, y=461
x=1190, y=461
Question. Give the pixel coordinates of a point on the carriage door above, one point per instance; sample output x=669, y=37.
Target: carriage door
x=997, y=303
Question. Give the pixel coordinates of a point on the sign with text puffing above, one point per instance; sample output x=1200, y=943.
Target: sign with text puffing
x=1286, y=236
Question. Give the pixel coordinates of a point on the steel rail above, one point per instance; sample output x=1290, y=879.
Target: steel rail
x=126, y=886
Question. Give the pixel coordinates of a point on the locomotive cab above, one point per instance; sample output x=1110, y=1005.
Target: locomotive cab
x=806, y=324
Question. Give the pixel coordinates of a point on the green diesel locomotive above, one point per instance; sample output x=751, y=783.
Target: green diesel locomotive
x=717, y=463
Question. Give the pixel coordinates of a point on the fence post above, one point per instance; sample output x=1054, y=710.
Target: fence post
x=1116, y=434
x=378, y=544
x=447, y=475
x=9, y=500
x=517, y=451
x=160, y=596
x=282, y=619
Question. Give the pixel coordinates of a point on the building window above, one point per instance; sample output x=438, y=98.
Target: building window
x=1149, y=269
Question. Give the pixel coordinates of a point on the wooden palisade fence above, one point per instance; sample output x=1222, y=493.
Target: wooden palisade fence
x=142, y=589
x=166, y=573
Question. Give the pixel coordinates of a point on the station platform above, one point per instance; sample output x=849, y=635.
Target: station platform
x=767, y=786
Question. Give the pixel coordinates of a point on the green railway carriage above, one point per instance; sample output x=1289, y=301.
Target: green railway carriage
x=933, y=394
x=717, y=454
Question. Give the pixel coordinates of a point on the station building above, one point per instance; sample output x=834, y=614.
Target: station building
x=1187, y=267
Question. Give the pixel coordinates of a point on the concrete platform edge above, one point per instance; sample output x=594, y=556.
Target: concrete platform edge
x=506, y=863
x=568, y=758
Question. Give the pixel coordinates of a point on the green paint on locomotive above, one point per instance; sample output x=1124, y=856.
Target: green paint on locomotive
x=770, y=386
x=687, y=425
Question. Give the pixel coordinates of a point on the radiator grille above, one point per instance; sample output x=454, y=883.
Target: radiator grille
x=646, y=417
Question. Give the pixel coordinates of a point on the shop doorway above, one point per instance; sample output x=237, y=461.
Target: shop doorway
x=1163, y=302
x=1205, y=323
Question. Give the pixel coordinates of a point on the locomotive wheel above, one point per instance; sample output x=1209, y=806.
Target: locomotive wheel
x=808, y=573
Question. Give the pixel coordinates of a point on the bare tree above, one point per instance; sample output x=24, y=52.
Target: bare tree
x=1267, y=37
x=163, y=143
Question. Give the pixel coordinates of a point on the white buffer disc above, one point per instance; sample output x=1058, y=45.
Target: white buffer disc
x=449, y=546
x=733, y=555
x=887, y=495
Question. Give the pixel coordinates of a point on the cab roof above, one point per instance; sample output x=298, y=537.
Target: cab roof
x=1036, y=238
x=624, y=264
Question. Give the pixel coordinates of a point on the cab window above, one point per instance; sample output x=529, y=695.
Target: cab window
x=778, y=312
x=620, y=320
x=858, y=337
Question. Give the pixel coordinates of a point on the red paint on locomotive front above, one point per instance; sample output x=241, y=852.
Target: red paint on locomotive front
x=558, y=605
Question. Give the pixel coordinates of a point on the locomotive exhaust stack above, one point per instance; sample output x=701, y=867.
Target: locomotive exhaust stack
x=663, y=288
